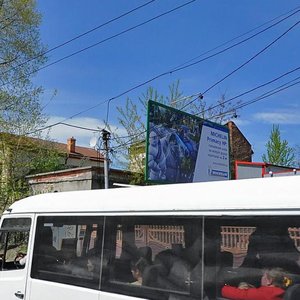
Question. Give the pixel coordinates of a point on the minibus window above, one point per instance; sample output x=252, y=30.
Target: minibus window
x=68, y=249
x=247, y=246
x=14, y=237
x=153, y=257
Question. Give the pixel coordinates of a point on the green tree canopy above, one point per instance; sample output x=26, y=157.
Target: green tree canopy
x=278, y=150
x=21, y=55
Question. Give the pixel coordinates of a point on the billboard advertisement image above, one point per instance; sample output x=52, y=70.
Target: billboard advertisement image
x=184, y=148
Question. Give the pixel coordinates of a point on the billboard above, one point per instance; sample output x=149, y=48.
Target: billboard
x=184, y=148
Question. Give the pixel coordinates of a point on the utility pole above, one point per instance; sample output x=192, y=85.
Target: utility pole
x=106, y=138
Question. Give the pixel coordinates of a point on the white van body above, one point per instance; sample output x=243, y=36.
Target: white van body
x=237, y=202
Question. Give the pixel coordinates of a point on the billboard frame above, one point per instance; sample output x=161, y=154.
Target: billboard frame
x=182, y=113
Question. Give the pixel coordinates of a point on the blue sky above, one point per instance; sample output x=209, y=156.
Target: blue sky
x=106, y=70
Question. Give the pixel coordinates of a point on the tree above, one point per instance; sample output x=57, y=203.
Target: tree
x=278, y=151
x=130, y=150
x=297, y=155
x=21, y=55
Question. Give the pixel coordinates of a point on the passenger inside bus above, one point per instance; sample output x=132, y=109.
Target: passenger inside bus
x=274, y=282
x=20, y=259
x=137, y=269
x=47, y=253
x=271, y=246
x=87, y=267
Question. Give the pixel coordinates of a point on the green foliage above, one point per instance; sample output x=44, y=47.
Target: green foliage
x=45, y=158
x=297, y=155
x=21, y=156
x=21, y=55
x=278, y=151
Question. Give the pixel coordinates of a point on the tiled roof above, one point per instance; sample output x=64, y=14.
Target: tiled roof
x=80, y=151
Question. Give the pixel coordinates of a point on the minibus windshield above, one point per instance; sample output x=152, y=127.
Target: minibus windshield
x=14, y=236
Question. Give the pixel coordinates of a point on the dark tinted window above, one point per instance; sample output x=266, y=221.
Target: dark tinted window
x=16, y=223
x=165, y=257
x=153, y=257
x=250, y=245
x=68, y=250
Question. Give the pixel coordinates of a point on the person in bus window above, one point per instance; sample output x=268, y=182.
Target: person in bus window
x=93, y=266
x=47, y=253
x=86, y=267
x=271, y=246
x=137, y=269
x=274, y=282
x=21, y=259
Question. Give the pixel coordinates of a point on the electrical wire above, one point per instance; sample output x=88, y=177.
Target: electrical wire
x=199, y=61
x=204, y=111
x=270, y=93
x=129, y=142
x=160, y=75
x=251, y=90
x=274, y=91
x=173, y=71
x=80, y=127
x=95, y=130
x=80, y=36
x=101, y=42
x=289, y=13
x=246, y=103
x=263, y=96
x=245, y=63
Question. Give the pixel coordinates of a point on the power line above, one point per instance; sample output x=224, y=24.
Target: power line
x=246, y=103
x=270, y=93
x=252, y=58
x=161, y=75
x=129, y=142
x=230, y=47
x=263, y=96
x=233, y=98
x=245, y=63
x=181, y=68
x=189, y=65
x=239, y=106
x=80, y=127
x=289, y=13
x=102, y=41
x=253, y=89
x=80, y=35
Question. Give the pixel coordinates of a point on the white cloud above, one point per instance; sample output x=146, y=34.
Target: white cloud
x=61, y=133
x=292, y=118
x=241, y=122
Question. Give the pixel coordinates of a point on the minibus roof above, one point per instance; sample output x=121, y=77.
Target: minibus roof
x=264, y=194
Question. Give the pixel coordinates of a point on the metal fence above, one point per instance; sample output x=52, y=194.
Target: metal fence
x=234, y=239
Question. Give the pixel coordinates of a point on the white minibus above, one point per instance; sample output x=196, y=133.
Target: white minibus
x=169, y=242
